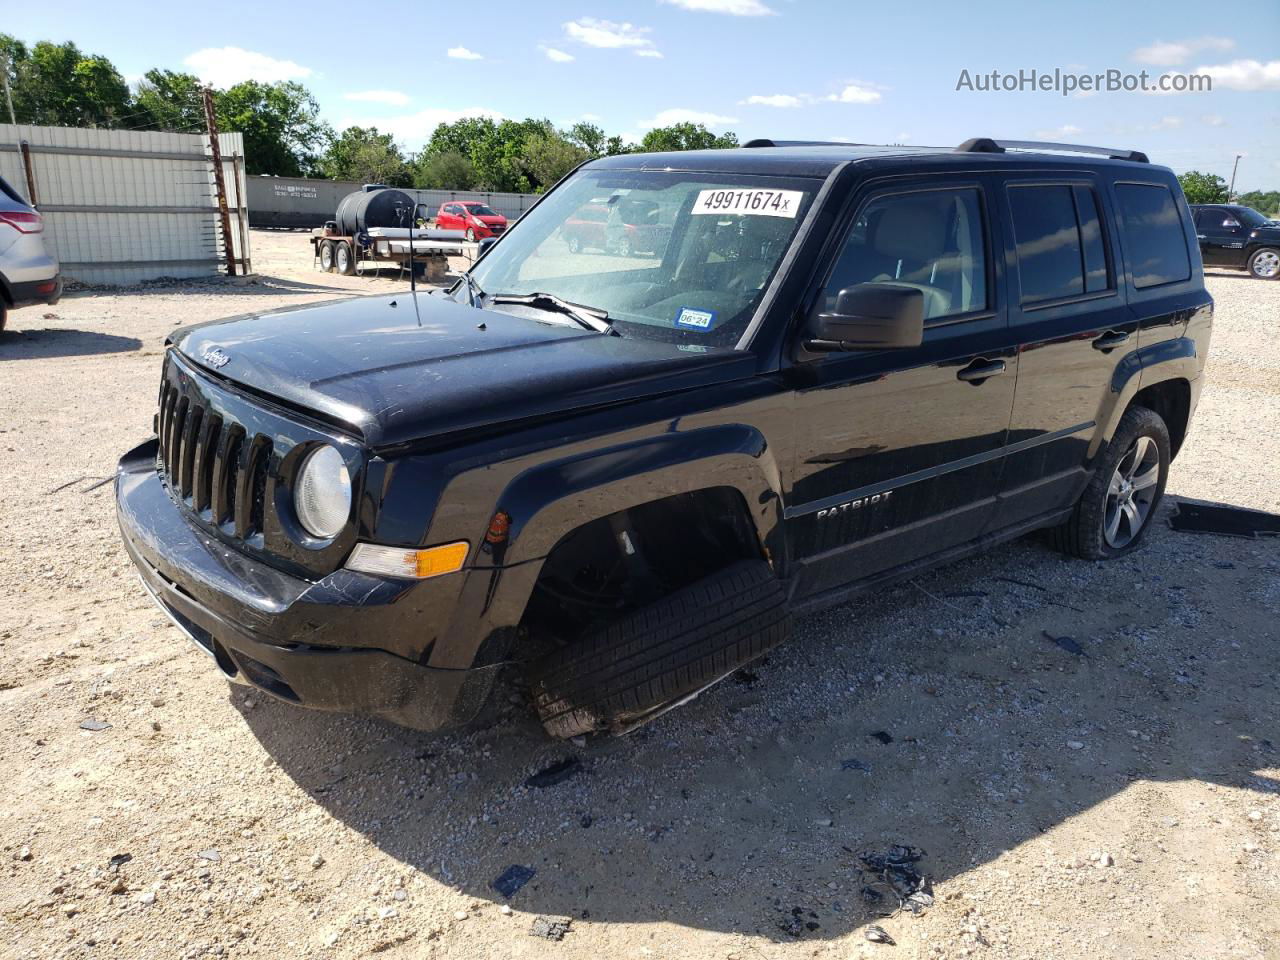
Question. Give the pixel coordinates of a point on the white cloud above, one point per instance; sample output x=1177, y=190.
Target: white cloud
x=774, y=100
x=855, y=93
x=681, y=115
x=462, y=53
x=556, y=56
x=1167, y=123
x=1244, y=75
x=224, y=67
x=414, y=129
x=1213, y=120
x=1162, y=54
x=392, y=98
x=607, y=34
x=738, y=8
x=1058, y=133
x=649, y=52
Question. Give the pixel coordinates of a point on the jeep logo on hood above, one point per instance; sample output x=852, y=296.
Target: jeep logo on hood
x=215, y=358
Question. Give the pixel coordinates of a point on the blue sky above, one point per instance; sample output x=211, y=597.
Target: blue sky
x=798, y=69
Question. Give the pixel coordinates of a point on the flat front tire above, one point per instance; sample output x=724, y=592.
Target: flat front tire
x=1117, y=506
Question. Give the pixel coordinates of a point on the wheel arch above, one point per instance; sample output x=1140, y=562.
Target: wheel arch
x=1162, y=376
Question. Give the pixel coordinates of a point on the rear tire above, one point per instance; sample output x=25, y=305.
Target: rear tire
x=1132, y=471
x=1265, y=264
x=326, y=256
x=670, y=649
x=343, y=262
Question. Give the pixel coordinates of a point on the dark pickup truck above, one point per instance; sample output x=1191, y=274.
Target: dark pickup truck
x=623, y=474
x=1238, y=237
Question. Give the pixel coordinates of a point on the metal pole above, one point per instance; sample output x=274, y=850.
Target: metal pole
x=30, y=171
x=8, y=96
x=1234, y=167
x=211, y=123
x=242, y=214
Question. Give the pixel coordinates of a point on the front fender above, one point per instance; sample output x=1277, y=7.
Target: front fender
x=548, y=501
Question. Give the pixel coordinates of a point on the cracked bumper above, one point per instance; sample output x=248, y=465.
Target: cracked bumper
x=299, y=641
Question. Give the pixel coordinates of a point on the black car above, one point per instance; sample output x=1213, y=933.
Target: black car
x=622, y=476
x=1238, y=237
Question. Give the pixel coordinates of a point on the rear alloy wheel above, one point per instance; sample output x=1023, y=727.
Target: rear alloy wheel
x=624, y=247
x=326, y=256
x=471, y=235
x=342, y=259
x=1265, y=264
x=574, y=244
x=1116, y=508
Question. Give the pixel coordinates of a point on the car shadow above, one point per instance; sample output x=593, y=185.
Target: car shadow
x=939, y=713
x=258, y=284
x=47, y=342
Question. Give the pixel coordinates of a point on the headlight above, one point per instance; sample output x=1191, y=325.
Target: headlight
x=322, y=493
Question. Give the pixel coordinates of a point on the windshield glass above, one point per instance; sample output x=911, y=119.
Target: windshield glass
x=1248, y=215
x=480, y=210
x=673, y=256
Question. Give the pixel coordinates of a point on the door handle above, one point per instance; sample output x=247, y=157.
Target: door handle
x=1110, y=340
x=979, y=370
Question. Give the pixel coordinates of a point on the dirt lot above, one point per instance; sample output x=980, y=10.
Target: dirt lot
x=1120, y=801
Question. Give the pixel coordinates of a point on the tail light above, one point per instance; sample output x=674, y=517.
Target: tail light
x=22, y=221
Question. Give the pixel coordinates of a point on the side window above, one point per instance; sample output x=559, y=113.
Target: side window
x=932, y=240
x=1058, y=236
x=1156, y=247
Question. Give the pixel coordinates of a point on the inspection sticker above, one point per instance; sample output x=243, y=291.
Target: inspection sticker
x=696, y=319
x=758, y=203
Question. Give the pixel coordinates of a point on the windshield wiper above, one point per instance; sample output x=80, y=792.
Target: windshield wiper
x=592, y=318
x=474, y=293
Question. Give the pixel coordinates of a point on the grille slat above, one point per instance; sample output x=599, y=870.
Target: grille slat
x=187, y=452
x=252, y=463
x=176, y=422
x=206, y=449
x=225, y=466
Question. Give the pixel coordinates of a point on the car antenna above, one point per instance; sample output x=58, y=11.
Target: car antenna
x=413, y=266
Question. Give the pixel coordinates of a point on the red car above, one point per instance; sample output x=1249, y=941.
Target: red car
x=624, y=229
x=472, y=216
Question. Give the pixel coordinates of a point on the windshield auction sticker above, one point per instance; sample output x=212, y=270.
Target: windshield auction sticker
x=755, y=203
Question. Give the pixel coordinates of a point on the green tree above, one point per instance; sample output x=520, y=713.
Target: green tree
x=283, y=132
x=686, y=136
x=449, y=170
x=594, y=140
x=169, y=101
x=548, y=156
x=1264, y=201
x=55, y=84
x=365, y=155
x=1203, y=187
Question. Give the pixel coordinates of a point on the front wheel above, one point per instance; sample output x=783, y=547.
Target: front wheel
x=574, y=244
x=326, y=256
x=471, y=235
x=1116, y=508
x=1265, y=264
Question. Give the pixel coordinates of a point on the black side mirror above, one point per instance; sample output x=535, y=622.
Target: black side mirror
x=484, y=244
x=870, y=316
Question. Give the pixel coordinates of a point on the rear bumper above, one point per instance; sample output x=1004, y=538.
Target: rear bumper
x=259, y=624
x=26, y=292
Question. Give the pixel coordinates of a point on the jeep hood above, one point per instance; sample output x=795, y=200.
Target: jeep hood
x=395, y=374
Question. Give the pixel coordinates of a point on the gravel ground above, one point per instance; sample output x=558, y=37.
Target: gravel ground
x=1120, y=801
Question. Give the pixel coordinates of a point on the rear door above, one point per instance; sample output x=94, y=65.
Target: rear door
x=897, y=451
x=1072, y=326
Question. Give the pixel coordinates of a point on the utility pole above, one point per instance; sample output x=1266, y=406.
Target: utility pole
x=1234, y=167
x=211, y=123
x=8, y=96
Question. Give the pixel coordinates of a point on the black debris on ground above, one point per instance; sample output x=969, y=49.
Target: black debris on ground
x=119, y=860
x=512, y=879
x=879, y=935
x=556, y=773
x=745, y=677
x=853, y=763
x=1066, y=643
x=550, y=928
x=883, y=736
x=1226, y=521
x=894, y=872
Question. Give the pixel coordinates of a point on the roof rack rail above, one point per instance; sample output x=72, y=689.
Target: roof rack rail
x=987, y=145
x=766, y=142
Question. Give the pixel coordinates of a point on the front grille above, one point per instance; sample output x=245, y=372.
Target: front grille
x=211, y=463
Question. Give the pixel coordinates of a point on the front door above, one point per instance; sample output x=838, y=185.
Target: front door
x=1221, y=237
x=898, y=451
x=1072, y=325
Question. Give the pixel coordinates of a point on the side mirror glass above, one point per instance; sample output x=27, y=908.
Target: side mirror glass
x=1231, y=224
x=870, y=316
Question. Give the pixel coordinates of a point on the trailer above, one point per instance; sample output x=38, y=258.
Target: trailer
x=427, y=250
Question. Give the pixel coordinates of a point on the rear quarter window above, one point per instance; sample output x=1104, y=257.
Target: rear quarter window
x=1156, y=246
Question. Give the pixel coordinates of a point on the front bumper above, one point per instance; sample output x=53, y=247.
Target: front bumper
x=260, y=625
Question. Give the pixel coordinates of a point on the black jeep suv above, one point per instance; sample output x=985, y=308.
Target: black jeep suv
x=1238, y=237
x=625, y=473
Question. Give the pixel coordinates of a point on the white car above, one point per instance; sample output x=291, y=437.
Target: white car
x=28, y=272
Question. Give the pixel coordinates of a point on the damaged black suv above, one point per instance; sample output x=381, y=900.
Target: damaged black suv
x=768, y=378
